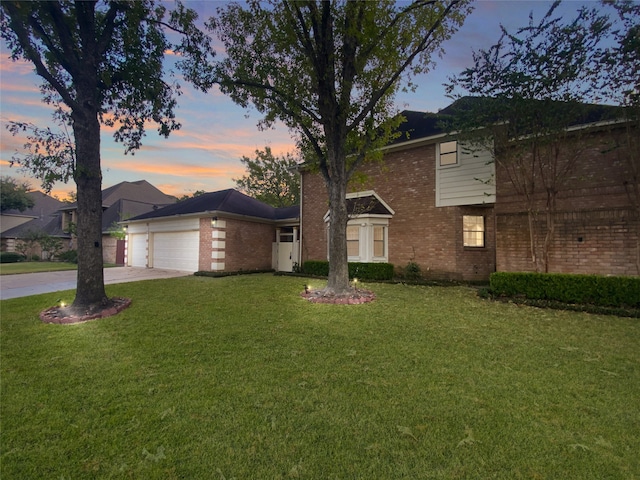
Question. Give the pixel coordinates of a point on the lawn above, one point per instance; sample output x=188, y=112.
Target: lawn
x=33, y=267
x=238, y=377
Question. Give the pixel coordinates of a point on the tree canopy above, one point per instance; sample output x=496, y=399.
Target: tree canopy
x=329, y=71
x=271, y=179
x=13, y=195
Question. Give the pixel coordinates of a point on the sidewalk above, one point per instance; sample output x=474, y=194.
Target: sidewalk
x=26, y=284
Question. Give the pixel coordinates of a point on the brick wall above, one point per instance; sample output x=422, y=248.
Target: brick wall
x=419, y=231
x=596, y=224
x=247, y=245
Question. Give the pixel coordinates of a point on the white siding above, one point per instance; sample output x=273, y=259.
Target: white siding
x=470, y=182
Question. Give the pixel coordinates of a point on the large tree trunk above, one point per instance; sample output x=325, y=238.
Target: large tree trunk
x=88, y=177
x=338, y=282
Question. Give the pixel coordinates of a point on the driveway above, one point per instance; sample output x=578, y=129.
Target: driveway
x=25, y=284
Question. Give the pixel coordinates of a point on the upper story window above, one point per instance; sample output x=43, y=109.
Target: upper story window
x=448, y=153
x=473, y=230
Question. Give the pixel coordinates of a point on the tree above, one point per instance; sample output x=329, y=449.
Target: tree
x=13, y=195
x=186, y=196
x=102, y=64
x=271, y=179
x=532, y=85
x=329, y=71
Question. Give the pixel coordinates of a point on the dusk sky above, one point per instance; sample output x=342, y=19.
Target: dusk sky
x=205, y=153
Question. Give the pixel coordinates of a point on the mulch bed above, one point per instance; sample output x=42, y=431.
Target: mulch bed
x=356, y=297
x=69, y=315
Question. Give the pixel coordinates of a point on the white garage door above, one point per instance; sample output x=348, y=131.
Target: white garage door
x=176, y=250
x=138, y=250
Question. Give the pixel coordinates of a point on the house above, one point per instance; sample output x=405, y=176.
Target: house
x=43, y=218
x=454, y=211
x=119, y=202
x=223, y=231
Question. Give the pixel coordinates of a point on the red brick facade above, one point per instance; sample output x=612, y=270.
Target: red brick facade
x=419, y=231
x=596, y=226
x=240, y=245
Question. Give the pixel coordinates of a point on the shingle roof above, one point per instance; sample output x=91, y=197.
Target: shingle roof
x=43, y=205
x=227, y=201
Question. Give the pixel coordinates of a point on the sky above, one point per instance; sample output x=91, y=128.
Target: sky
x=205, y=153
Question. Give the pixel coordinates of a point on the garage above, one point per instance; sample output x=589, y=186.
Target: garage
x=138, y=250
x=176, y=250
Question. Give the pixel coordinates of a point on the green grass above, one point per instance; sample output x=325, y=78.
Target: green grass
x=34, y=267
x=238, y=377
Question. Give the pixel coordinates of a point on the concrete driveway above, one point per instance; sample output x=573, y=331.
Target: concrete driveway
x=25, y=284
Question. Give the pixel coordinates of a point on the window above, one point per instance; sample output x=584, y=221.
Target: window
x=448, y=153
x=353, y=241
x=473, y=230
x=378, y=241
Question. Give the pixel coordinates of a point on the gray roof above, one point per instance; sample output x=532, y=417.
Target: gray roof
x=223, y=201
x=45, y=218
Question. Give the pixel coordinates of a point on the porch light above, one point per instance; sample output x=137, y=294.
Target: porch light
x=214, y=221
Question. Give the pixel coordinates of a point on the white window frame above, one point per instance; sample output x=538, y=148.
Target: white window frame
x=366, y=231
x=465, y=230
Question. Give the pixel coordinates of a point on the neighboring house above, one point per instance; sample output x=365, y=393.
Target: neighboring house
x=433, y=202
x=218, y=231
x=43, y=218
x=119, y=202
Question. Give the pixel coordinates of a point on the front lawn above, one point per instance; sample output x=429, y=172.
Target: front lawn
x=34, y=267
x=238, y=377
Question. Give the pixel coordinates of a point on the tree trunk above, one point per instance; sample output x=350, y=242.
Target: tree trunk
x=338, y=282
x=88, y=177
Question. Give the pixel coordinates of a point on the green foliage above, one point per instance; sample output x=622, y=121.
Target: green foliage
x=11, y=257
x=271, y=179
x=13, y=195
x=70, y=256
x=566, y=288
x=412, y=271
x=362, y=271
x=50, y=245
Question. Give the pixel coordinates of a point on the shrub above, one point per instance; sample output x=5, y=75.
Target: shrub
x=70, y=256
x=11, y=257
x=567, y=288
x=412, y=271
x=362, y=271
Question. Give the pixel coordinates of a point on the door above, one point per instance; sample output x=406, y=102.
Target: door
x=138, y=250
x=176, y=250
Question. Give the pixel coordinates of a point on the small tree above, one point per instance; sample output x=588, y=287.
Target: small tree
x=50, y=246
x=270, y=179
x=13, y=195
x=531, y=86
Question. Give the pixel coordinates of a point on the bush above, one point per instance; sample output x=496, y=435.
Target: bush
x=412, y=271
x=361, y=271
x=11, y=257
x=70, y=256
x=567, y=288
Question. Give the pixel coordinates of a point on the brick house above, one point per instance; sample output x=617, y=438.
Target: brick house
x=224, y=231
x=455, y=213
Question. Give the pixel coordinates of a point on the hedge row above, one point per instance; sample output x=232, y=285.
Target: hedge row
x=567, y=288
x=11, y=257
x=361, y=271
